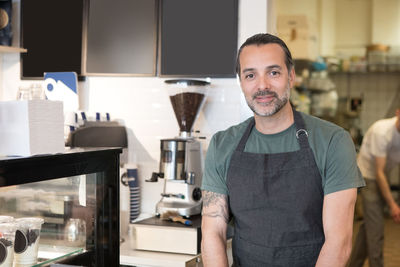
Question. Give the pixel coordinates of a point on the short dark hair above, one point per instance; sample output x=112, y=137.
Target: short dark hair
x=265, y=38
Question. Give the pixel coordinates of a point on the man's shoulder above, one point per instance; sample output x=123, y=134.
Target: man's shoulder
x=384, y=125
x=381, y=130
x=321, y=126
x=232, y=134
x=323, y=133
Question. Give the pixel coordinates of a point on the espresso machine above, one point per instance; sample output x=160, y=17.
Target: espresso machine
x=181, y=158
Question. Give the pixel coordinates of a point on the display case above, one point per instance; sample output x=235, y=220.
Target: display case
x=76, y=193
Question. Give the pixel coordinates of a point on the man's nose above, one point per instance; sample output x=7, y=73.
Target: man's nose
x=264, y=82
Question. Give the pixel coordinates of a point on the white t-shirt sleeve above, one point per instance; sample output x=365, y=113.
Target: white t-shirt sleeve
x=379, y=144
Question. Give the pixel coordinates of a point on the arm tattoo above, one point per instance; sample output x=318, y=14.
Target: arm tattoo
x=215, y=205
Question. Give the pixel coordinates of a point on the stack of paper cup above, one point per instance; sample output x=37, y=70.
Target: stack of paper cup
x=131, y=175
x=27, y=240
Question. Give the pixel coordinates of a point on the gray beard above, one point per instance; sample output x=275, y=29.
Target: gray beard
x=277, y=104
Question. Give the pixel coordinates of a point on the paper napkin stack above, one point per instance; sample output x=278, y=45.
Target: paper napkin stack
x=31, y=127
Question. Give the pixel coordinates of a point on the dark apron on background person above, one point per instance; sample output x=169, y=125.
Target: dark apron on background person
x=276, y=201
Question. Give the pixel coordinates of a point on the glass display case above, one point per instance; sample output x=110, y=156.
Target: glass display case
x=76, y=193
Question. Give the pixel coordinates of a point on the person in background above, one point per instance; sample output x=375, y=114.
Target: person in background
x=379, y=153
x=288, y=180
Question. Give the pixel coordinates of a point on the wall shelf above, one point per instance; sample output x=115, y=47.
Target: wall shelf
x=12, y=49
x=364, y=72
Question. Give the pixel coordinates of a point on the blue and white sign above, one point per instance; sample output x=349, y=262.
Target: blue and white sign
x=62, y=86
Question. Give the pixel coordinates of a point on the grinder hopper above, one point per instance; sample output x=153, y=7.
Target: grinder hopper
x=187, y=98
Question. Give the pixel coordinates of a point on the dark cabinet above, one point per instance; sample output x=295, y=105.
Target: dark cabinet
x=198, y=38
x=129, y=38
x=51, y=31
x=121, y=38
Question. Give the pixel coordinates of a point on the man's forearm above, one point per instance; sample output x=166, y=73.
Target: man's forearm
x=338, y=216
x=334, y=254
x=214, y=222
x=213, y=251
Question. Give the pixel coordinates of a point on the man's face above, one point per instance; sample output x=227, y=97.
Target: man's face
x=265, y=79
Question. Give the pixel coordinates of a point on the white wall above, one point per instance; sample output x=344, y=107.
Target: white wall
x=327, y=27
x=142, y=104
x=353, y=27
x=386, y=15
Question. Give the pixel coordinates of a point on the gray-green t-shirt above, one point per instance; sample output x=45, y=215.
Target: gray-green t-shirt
x=333, y=149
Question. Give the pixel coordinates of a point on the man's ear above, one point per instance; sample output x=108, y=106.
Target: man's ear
x=292, y=77
x=398, y=119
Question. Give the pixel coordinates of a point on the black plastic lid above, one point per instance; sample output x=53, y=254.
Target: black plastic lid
x=187, y=81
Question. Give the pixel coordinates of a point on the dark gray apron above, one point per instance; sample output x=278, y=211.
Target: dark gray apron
x=276, y=201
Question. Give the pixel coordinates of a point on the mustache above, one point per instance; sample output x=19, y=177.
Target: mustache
x=265, y=93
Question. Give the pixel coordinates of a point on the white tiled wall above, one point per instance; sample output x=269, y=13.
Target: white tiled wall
x=380, y=93
x=143, y=105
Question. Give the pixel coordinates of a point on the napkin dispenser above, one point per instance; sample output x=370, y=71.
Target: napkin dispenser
x=100, y=134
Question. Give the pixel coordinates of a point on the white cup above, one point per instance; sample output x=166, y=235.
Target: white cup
x=7, y=231
x=24, y=93
x=27, y=238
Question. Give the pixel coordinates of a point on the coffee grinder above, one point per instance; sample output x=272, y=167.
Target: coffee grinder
x=181, y=159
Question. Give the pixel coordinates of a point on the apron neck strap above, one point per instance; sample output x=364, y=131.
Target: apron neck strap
x=246, y=135
x=301, y=132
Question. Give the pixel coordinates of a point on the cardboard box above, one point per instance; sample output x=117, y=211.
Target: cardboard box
x=31, y=127
x=299, y=34
x=154, y=234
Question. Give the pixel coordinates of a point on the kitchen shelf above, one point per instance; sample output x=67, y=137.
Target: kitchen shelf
x=12, y=49
x=362, y=72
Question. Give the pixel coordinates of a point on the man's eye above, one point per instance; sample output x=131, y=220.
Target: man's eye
x=274, y=73
x=249, y=76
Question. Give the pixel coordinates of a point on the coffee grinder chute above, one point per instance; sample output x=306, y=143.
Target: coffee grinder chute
x=181, y=158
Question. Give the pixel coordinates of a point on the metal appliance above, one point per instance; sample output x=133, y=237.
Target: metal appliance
x=181, y=158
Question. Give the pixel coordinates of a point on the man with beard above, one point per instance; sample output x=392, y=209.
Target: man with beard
x=286, y=179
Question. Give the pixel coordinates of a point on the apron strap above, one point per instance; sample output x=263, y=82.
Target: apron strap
x=246, y=135
x=301, y=132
